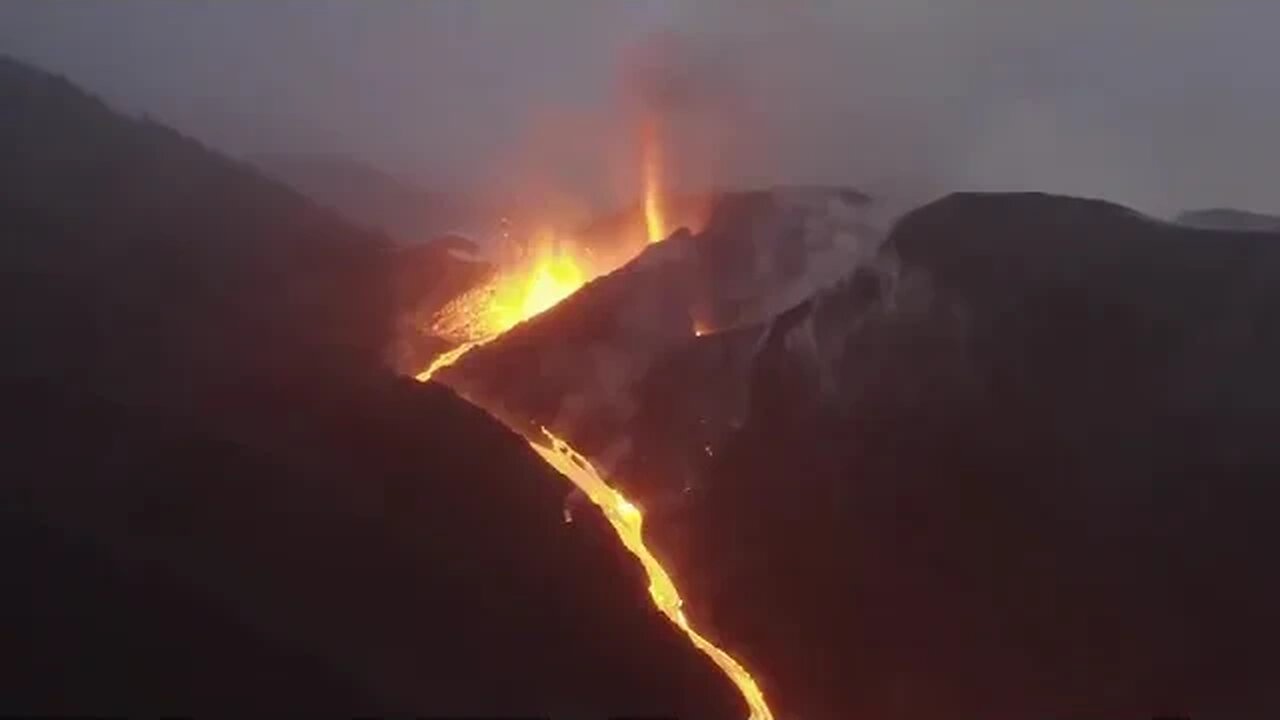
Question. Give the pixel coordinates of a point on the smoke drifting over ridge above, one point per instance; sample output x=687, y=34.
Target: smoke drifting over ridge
x=1161, y=106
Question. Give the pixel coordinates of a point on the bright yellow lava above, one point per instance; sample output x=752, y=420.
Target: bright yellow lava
x=552, y=280
x=628, y=522
x=528, y=288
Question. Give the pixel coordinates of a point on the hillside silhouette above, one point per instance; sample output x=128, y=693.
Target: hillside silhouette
x=218, y=496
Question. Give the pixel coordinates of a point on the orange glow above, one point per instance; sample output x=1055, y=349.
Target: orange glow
x=530, y=287
x=628, y=522
x=552, y=280
x=444, y=360
x=655, y=221
x=550, y=274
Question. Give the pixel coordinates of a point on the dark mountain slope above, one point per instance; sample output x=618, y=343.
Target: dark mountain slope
x=196, y=395
x=142, y=261
x=1027, y=470
x=91, y=632
x=393, y=531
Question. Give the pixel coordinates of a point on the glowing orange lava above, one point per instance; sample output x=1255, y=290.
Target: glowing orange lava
x=551, y=272
x=628, y=523
x=444, y=360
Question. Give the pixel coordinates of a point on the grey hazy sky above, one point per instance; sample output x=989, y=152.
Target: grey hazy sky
x=1159, y=104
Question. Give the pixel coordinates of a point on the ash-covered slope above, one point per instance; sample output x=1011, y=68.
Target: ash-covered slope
x=1025, y=471
x=577, y=368
x=196, y=400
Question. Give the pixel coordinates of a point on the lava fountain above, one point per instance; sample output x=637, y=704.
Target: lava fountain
x=655, y=221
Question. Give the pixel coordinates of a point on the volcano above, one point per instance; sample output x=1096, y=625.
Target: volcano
x=1006, y=456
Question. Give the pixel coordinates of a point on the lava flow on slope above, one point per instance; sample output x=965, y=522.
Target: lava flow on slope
x=485, y=314
x=627, y=521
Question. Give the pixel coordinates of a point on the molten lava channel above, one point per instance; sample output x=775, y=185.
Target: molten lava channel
x=516, y=298
x=628, y=523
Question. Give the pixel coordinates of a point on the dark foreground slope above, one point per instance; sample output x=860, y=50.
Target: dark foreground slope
x=1029, y=473
x=216, y=499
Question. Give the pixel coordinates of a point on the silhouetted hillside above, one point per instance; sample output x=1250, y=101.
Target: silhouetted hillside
x=207, y=450
x=92, y=631
x=139, y=261
x=1023, y=467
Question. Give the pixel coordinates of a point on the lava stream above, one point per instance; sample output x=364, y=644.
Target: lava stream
x=445, y=359
x=627, y=522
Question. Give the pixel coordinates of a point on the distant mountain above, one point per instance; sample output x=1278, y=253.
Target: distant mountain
x=218, y=499
x=1228, y=219
x=374, y=198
